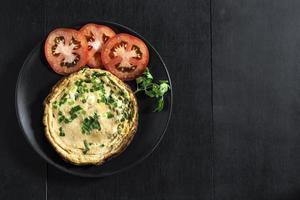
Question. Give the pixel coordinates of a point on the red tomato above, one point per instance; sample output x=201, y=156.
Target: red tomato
x=125, y=56
x=66, y=50
x=96, y=35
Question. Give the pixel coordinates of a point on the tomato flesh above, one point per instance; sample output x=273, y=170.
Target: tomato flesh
x=96, y=36
x=66, y=50
x=126, y=56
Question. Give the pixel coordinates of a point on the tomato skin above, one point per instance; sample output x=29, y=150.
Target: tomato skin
x=96, y=36
x=140, y=63
x=80, y=51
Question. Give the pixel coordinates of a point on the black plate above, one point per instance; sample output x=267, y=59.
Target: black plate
x=34, y=83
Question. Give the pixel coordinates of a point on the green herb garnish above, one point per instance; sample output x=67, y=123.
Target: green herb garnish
x=121, y=92
x=90, y=123
x=101, y=145
x=62, y=118
x=97, y=86
x=114, y=104
x=86, y=147
x=83, y=69
x=61, y=132
x=73, y=114
x=125, y=115
x=63, y=99
x=104, y=100
x=110, y=99
x=74, y=110
x=109, y=115
x=76, y=96
x=55, y=105
x=160, y=104
x=78, y=82
x=97, y=74
x=153, y=90
x=81, y=88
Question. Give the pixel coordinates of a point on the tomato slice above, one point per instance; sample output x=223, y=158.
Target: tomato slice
x=125, y=56
x=66, y=50
x=96, y=35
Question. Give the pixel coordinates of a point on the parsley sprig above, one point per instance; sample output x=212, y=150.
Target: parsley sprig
x=153, y=90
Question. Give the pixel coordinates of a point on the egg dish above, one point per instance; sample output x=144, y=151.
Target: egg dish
x=90, y=116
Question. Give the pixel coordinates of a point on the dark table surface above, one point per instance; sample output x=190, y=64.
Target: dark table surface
x=234, y=132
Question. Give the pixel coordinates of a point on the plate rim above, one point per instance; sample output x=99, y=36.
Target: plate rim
x=80, y=174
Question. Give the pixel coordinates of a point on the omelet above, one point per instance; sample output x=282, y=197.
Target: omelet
x=90, y=116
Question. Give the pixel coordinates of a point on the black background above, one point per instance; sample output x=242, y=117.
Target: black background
x=234, y=133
